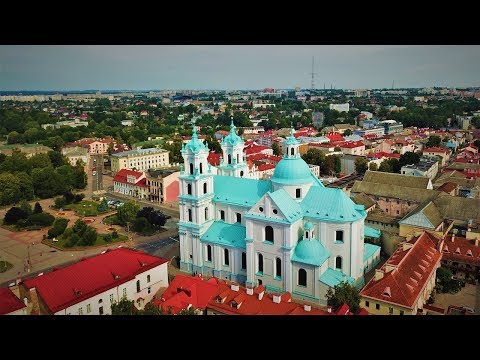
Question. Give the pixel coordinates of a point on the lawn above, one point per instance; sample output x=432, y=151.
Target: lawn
x=100, y=241
x=86, y=208
x=111, y=220
x=4, y=266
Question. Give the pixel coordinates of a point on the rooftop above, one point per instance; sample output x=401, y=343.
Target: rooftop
x=139, y=152
x=239, y=191
x=9, y=302
x=223, y=233
x=396, y=179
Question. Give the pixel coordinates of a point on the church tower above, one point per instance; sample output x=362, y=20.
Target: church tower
x=234, y=161
x=195, y=202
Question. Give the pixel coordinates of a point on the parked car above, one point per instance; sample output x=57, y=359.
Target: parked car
x=94, y=173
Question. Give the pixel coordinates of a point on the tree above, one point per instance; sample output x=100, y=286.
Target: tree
x=25, y=206
x=56, y=158
x=433, y=141
x=361, y=165
x=123, y=307
x=89, y=236
x=373, y=166
x=314, y=157
x=13, y=215
x=79, y=227
x=47, y=182
x=40, y=161
x=26, y=185
x=141, y=226
x=276, y=149
x=347, y=132
x=103, y=206
x=37, y=209
x=189, y=311
x=445, y=281
x=59, y=227
x=9, y=189
x=154, y=217
x=60, y=202
x=409, y=158
x=344, y=293
x=127, y=213
x=41, y=219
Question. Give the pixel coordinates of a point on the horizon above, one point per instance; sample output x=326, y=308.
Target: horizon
x=234, y=67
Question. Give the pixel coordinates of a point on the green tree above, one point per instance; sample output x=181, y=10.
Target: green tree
x=314, y=157
x=344, y=293
x=60, y=202
x=16, y=162
x=276, y=149
x=347, y=132
x=26, y=185
x=40, y=161
x=59, y=227
x=41, y=219
x=13, y=215
x=361, y=165
x=433, y=141
x=47, y=183
x=15, y=138
x=373, y=166
x=37, y=209
x=189, y=311
x=445, y=281
x=57, y=159
x=25, y=206
x=123, y=307
x=79, y=227
x=409, y=158
x=9, y=189
x=127, y=213
x=142, y=226
x=89, y=236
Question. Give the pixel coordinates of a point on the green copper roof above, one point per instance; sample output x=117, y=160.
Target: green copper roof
x=291, y=139
x=194, y=145
x=334, y=277
x=371, y=232
x=232, y=138
x=308, y=226
x=310, y=252
x=370, y=250
x=289, y=207
x=239, y=191
x=331, y=204
x=225, y=234
x=292, y=171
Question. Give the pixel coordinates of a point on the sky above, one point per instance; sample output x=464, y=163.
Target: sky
x=198, y=67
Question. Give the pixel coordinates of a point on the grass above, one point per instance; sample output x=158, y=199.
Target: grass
x=99, y=242
x=4, y=266
x=86, y=208
x=111, y=220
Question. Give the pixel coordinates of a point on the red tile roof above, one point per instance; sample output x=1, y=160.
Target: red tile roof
x=233, y=302
x=9, y=302
x=461, y=250
x=88, y=141
x=381, y=154
x=187, y=290
x=121, y=177
x=255, y=149
x=265, y=167
x=335, y=137
x=412, y=264
x=447, y=187
x=72, y=284
x=352, y=144
x=436, y=149
x=214, y=158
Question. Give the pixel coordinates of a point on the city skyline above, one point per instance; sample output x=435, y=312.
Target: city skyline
x=229, y=67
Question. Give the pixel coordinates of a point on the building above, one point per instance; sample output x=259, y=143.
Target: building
x=404, y=283
x=140, y=159
x=427, y=167
x=163, y=185
x=94, y=146
x=10, y=304
x=397, y=179
x=462, y=257
x=91, y=285
x=441, y=153
x=234, y=160
x=318, y=118
x=391, y=127
x=340, y=107
x=28, y=149
x=131, y=183
x=353, y=148
x=76, y=153
x=263, y=232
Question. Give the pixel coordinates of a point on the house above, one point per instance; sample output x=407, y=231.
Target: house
x=404, y=283
x=10, y=304
x=462, y=257
x=427, y=167
x=140, y=159
x=131, y=183
x=163, y=185
x=76, y=153
x=94, y=145
x=91, y=285
x=441, y=153
x=353, y=148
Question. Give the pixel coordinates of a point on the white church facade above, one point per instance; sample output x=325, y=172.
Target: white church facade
x=289, y=233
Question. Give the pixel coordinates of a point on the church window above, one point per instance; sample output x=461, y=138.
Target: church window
x=189, y=214
x=338, y=263
x=191, y=169
x=298, y=193
x=339, y=235
x=205, y=188
x=278, y=267
x=241, y=173
x=229, y=159
x=206, y=213
x=189, y=189
x=244, y=261
x=239, y=217
x=292, y=151
x=209, y=253
x=260, y=209
x=201, y=168
x=222, y=215
x=238, y=158
x=269, y=233
x=302, y=277
x=226, y=259
x=275, y=211
x=260, y=263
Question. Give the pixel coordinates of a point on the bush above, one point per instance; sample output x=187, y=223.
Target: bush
x=58, y=228
x=41, y=219
x=25, y=206
x=60, y=202
x=37, y=209
x=108, y=238
x=142, y=226
x=78, y=197
x=69, y=197
x=114, y=235
x=13, y=215
x=89, y=236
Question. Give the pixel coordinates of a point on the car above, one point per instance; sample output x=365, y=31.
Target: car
x=94, y=173
x=468, y=309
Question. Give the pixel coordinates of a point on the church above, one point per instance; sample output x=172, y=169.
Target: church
x=288, y=233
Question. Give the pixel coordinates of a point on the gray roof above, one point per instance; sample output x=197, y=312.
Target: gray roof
x=139, y=152
x=394, y=191
x=458, y=208
x=363, y=199
x=396, y=179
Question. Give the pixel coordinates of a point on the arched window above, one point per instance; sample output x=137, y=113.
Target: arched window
x=292, y=151
x=339, y=235
x=302, y=277
x=189, y=214
x=204, y=188
x=209, y=253
x=229, y=159
x=269, y=233
x=201, y=168
x=298, y=193
x=338, y=263
x=241, y=173
x=191, y=169
x=148, y=278
x=278, y=267
x=138, y=285
x=206, y=213
x=306, y=234
x=226, y=259
x=189, y=189
x=238, y=158
x=260, y=263
x=244, y=261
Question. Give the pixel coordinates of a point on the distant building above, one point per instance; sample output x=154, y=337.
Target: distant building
x=318, y=118
x=131, y=183
x=140, y=160
x=90, y=286
x=391, y=126
x=28, y=149
x=441, y=153
x=73, y=154
x=163, y=185
x=340, y=107
x=94, y=146
x=427, y=167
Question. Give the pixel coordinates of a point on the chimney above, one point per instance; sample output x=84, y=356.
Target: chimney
x=389, y=267
x=25, y=301
x=249, y=290
x=277, y=299
x=379, y=274
x=476, y=242
x=453, y=237
x=309, y=307
x=406, y=246
x=260, y=295
x=235, y=287
x=329, y=309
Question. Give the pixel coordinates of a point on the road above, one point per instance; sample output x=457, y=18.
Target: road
x=95, y=181
x=166, y=209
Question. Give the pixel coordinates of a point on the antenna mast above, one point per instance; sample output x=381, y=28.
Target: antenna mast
x=313, y=74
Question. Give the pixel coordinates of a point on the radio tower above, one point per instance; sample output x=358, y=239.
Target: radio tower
x=313, y=74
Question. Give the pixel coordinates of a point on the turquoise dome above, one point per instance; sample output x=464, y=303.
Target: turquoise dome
x=308, y=226
x=310, y=252
x=292, y=171
x=232, y=137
